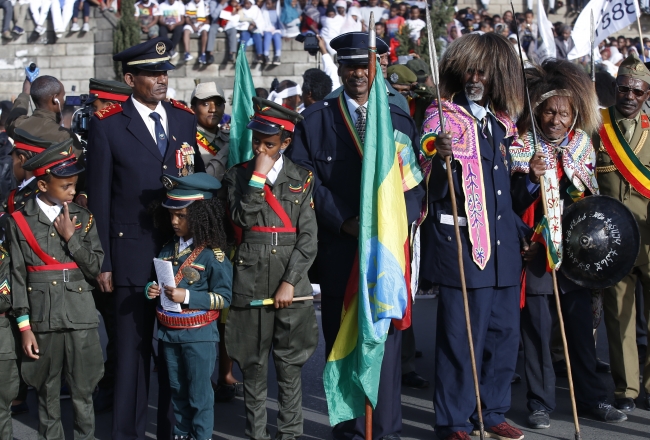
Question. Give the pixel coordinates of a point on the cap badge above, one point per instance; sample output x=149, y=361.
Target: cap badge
x=168, y=183
x=394, y=78
x=160, y=48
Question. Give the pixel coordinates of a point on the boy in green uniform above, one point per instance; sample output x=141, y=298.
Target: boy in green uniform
x=270, y=200
x=52, y=298
x=9, y=378
x=203, y=278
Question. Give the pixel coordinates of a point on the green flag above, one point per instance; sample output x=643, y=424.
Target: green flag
x=241, y=138
x=377, y=291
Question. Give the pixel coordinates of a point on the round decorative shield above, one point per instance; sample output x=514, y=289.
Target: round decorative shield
x=601, y=242
x=191, y=274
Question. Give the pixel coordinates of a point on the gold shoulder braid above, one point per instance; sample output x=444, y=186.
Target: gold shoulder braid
x=219, y=255
x=637, y=150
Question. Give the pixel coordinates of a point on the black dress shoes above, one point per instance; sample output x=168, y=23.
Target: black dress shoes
x=625, y=404
x=414, y=380
x=607, y=413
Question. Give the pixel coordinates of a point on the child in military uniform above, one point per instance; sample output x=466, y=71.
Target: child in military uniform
x=203, y=277
x=9, y=378
x=55, y=250
x=270, y=199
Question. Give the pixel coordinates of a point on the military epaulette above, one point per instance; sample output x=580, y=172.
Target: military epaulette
x=90, y=223
x=111, y=110
x=645, y=122
x=219, y=255
x=180, y=105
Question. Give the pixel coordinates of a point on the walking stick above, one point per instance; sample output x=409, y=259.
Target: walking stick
x=372, y=72
x=556, y=292
x=433, y=63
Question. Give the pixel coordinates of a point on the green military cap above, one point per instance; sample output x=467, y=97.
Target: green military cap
x=633, y=67
x=420, y=69
x=400, y=74
x=108, y=90
x=183, y=191
x=28, y=142
x=272, y=118
x=58, y=161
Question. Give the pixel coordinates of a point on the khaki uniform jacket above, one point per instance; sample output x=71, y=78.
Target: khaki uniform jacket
x=7, y=346
x=52, y=301
x=613, y=184
x=41, y=123
x=260, y=266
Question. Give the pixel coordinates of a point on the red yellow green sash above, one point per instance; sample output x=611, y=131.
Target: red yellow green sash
x=343, y=106
x=202, y=142
x=627, y=163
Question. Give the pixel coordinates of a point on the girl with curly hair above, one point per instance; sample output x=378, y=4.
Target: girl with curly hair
x=189, y=310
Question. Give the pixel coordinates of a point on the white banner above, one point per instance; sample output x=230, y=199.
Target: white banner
x=610, y=16
x=546, y=48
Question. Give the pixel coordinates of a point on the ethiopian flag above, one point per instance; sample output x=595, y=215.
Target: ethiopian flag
x=542, y=235
x=241, y=138
x=377, y=289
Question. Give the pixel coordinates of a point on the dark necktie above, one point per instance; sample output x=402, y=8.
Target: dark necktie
x=161, y=138
x=361, y=122
x=485, y=130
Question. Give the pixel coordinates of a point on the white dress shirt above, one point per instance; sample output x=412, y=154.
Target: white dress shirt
x=273, y=174
x=52, y=212
x=480, y=112
x=25, y=182
x=352, y=107
x=148, y=121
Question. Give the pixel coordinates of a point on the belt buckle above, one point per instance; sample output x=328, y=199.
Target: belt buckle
x=274, y=238
x=66, y=276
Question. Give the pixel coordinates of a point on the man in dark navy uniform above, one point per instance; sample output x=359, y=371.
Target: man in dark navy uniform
x=323, y=143
x=130, y=146
x=480, y=102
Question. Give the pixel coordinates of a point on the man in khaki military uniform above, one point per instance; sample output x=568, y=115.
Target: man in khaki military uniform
x=52, y=298
x=48, y=95
x=629, y=127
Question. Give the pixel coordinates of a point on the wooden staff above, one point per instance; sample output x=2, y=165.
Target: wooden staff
x=556, y=291
x=435, y=74
x=372, y=72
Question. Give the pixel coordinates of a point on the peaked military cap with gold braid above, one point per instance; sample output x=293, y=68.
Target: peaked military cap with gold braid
x=183, y=191
x=58, y=161
x=271, y=118
x=151, y=55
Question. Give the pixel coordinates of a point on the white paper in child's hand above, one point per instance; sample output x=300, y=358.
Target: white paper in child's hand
x=165, y=274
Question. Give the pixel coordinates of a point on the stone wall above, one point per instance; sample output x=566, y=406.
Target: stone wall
x=77, y=57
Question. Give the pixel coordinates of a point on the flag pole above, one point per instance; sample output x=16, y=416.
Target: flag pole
x=553, y=274
x=592, y=38
x=372, y=72
x=435, y=74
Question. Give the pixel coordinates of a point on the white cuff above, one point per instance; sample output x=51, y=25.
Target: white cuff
x=187, y=297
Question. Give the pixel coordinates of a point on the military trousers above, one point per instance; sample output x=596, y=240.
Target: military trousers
x=78, y=354
x=9, y=377
x=292, y=334
x=9, y=382
x=619, y=306
x=190, y=366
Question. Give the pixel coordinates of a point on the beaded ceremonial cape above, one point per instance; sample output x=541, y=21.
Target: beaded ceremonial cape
x=578, y=164
x=465, y=144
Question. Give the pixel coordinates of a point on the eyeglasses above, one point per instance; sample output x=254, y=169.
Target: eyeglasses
x=625, y=90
